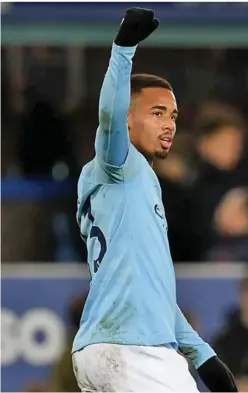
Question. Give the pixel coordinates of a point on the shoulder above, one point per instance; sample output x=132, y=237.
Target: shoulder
x=134, y=164
x=98, y=172
x=110, y=174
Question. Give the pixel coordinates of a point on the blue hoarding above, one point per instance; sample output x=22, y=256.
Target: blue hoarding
x=34, y=315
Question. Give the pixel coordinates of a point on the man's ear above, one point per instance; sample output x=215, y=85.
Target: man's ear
x=129, y=120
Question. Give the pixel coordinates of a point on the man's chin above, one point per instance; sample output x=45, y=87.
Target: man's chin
x=161, y=154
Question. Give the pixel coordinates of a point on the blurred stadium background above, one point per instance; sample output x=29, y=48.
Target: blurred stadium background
x=53, y=59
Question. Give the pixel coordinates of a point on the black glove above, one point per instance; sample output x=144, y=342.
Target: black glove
x=136, y=26
x=216, y=376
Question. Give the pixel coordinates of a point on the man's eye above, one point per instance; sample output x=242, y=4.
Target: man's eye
x=157, y=113
x=174, y=118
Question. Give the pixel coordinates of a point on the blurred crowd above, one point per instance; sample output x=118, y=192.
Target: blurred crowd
x=204, y=183
x=204, y=179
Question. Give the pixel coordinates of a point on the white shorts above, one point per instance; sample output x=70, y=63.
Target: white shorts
x=126, y=368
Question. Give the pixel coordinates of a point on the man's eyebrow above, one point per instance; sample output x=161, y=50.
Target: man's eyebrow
x=164, y=108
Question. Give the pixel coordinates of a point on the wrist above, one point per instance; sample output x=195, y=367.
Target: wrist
x=127, y=50
x=217, y=376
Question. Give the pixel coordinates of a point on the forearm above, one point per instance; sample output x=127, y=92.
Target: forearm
x=112, y=139
x=214, y=373
x=190, y=343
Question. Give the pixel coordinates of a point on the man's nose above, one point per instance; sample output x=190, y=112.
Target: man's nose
x=169, y=125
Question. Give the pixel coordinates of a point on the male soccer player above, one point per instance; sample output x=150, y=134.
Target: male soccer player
x=131, y=327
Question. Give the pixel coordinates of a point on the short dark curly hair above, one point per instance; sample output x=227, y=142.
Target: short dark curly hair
x=143, y=81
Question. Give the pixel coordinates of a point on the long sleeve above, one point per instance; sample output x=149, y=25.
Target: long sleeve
x=190, y=343
x=112, y=138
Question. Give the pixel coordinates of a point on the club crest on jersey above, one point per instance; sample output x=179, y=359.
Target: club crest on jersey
x=158, y=211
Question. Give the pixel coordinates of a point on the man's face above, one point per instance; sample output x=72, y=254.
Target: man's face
x=230, y=215
x=152, y=121
x=223, y=148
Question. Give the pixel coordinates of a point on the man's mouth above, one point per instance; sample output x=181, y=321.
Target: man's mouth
x=166, y=142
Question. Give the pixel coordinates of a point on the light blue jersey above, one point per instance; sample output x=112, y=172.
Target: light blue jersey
x=132, y=298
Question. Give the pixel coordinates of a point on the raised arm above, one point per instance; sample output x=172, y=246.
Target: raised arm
x=112, y=139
